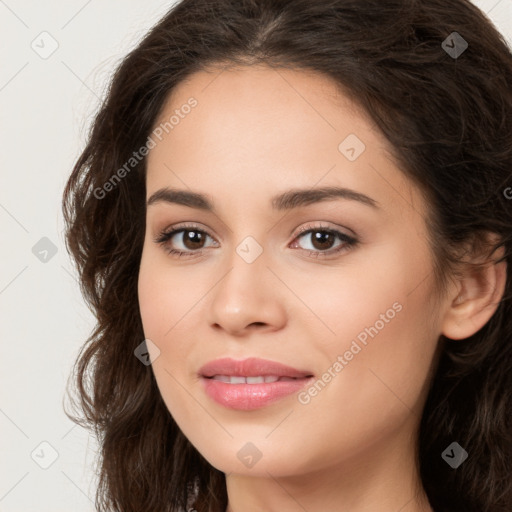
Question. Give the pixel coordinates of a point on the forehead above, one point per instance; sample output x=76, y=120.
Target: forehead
x=259, y=128
x=265, y=97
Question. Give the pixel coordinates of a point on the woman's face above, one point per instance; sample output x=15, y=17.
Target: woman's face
x=336, y=286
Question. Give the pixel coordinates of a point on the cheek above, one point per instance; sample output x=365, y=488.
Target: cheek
x=376, y=363
x=368, y=389
x=163, y=301
x=385, y=324
x=170, y=304
x=152, y=307
x=165, y=293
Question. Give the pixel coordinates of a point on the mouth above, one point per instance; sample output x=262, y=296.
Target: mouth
x=251, y=383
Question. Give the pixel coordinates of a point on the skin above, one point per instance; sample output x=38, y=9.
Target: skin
x=254, y=133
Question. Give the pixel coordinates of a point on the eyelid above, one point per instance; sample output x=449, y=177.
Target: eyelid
x=308, y=227
x=181, y=227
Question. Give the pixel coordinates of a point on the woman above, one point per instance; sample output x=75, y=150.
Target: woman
x=293, y=223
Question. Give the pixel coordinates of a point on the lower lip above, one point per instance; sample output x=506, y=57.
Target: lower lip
x=246, y=397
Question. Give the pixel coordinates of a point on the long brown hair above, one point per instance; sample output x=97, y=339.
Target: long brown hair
x=447, y=112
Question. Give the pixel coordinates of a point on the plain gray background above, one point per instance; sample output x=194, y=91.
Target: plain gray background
x=47, y=101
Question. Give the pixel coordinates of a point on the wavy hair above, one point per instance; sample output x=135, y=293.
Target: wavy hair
x=448, y=118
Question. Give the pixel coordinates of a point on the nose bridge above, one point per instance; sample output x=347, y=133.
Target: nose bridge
x=245, y=294
x=246, y=278
x=249, y=252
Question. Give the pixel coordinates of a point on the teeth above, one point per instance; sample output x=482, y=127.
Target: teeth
x=250, y=380
x=222, y=378
x=254, y=380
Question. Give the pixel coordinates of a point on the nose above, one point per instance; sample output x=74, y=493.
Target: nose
x=248, y=297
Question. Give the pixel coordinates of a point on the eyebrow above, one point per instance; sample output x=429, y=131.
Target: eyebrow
x=288, y=200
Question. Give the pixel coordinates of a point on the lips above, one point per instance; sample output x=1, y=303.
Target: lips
x=252, y=383
x=251, y=367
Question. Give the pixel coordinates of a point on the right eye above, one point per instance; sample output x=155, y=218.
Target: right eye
x=189, y=239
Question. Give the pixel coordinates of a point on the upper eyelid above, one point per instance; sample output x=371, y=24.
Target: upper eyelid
x=322, y=228
x=306, y=227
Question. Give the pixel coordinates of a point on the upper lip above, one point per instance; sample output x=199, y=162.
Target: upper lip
x=251, y=367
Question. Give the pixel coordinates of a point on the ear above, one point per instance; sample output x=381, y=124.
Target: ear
x=478, y=290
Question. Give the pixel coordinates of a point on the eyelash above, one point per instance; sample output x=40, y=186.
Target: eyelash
x=166, y=235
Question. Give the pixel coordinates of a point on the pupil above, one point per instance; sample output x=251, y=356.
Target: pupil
x=192, y=237
x=323, y=238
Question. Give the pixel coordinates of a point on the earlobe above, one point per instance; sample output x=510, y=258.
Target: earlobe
x=479, y=292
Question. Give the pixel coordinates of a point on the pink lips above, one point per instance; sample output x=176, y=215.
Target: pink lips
x=248, y=396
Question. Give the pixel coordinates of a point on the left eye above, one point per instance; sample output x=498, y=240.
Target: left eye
x=192, y=241
x=323, y=239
